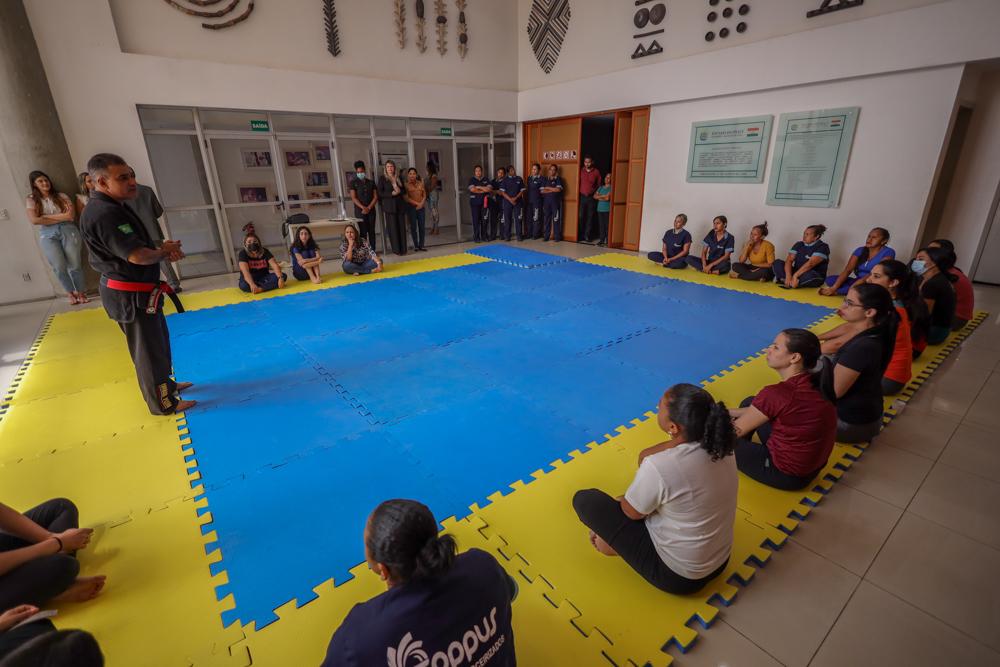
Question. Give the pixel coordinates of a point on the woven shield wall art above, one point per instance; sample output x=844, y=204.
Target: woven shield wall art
x=547, y=26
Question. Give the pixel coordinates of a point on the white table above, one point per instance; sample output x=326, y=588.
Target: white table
x=335, y=225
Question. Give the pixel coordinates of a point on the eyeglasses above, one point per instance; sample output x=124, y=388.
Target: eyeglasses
x=850, y=304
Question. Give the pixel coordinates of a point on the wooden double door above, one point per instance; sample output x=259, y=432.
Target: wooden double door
x=558, y=142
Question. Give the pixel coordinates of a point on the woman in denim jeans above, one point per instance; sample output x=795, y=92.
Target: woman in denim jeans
x=359, y=258
x=53, y=212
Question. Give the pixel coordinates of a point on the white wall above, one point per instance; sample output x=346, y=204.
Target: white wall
x=20, y=251
x=900, y=132
x=290, y=34
x=977, y=177
x=600, y=38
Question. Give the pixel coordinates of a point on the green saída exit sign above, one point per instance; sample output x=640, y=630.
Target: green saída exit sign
x=445, y=131
x=260, y=126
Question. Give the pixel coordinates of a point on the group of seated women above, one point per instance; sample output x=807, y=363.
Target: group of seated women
x=260, y=271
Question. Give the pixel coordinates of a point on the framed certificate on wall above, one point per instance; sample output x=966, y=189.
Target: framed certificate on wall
x=731, y=150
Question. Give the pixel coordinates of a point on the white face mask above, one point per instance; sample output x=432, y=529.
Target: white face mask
x=918, y=266
x=361, y=175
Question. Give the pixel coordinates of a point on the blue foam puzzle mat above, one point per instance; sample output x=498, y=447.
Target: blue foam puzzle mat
x=238, y=377
x=307, y=533
x=491, y=270
x=438, y=281
x=573, y=270
x=446, y=325
x=529, y=279
x=521, y=306
x=336, y=353
x=494, y=353
x=226, y=342
x=234, y=438
x=409, y=385
x=331, y=319
x=586, y=328
x=279, y=307
x=626, y=281
x=473, y=462
x=694, y=359
x=517, y=256
x=206, y=319
x=582, y=291
x=646, y=309
x=680, y=290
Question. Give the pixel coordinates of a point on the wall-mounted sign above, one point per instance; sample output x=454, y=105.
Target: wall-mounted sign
x=733, y=150
x=559, y=155
x=445, y=131
x=810, y=157
x=260, y=126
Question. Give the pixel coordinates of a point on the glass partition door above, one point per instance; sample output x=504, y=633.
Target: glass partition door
x=468, y=156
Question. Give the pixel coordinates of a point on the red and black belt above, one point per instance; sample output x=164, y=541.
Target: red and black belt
x=156, y=292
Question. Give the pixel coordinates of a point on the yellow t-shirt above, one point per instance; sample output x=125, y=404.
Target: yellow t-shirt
x=764, y=256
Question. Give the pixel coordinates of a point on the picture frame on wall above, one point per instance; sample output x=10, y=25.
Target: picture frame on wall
x=254, y=159
x=434, y=157
x=253, y=194
x=315, y=179
x=348, y=177
x=323, y=153
x=292, y=196
x=319, y=194
x=298, y=158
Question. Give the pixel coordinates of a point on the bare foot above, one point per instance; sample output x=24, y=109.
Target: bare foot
x=714, y=272
x=82, y=590
x=356, y=274
x=733, y=275
x=763, y=280
x=183, y=405
x=181, y=386
x=377, y=269
x=601, y=545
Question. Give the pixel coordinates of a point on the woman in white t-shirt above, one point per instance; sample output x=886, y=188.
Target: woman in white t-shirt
x=674, y=525
x=53, y=212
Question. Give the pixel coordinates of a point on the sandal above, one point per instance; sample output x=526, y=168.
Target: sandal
x=83, y=298
x=72, y=300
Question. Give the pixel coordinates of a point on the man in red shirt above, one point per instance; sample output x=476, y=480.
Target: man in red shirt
x=590, y=180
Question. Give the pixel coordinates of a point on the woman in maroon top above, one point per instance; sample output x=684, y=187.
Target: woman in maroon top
x=795, y=420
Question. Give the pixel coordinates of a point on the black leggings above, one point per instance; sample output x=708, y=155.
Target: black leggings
x=754, y=460
x=39, y=580
x=751, y=272
x=630, y=538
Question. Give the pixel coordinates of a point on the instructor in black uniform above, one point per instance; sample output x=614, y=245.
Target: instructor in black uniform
x=121, y=249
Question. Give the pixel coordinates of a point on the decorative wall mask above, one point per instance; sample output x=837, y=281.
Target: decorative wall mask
x=826, y=7
x=330, y=21
x=442, y=25
x=547, y=27
x=400, y=12
x=463, y=29
x=421, y=22
x=644, y=17
x=216, y=14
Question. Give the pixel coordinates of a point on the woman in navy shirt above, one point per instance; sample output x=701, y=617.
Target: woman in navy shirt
x=715, y=249
x=676, y=246
x=440, y=609
x=305, y=257
x=809, y=259
x=862, y=261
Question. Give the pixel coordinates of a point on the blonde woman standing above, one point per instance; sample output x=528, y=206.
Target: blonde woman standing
x=392, y=197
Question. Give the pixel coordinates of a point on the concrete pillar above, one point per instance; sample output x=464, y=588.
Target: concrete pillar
x=30, y=132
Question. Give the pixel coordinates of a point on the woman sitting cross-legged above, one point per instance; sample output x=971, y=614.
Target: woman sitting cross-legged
x=674, y=525
x=440, y=609
x=37, y=556
x=965, y=296
x=795, y=420
x=305, y=257
x=757, y=257
x=716, y=249
x=937, y=287
x=676, y=246
x=861, y=262
x=256, y=263
x=914, y=320
x=358, y=255
x=807, y=261
x=860, y=363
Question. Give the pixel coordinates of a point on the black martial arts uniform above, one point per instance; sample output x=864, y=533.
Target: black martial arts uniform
x=112, y=232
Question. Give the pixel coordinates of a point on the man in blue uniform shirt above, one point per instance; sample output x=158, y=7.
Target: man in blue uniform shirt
x=512, y=191
x=552, y=192
x=479, y=189
x=533, y=212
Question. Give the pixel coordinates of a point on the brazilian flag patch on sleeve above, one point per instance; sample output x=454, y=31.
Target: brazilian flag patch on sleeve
x=127, y=228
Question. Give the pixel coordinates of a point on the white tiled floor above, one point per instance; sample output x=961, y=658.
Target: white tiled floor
x=900, y=565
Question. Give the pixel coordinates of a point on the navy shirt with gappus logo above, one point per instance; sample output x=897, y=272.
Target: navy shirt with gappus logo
x=460, y=618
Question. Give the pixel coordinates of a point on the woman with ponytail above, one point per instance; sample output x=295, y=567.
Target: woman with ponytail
x=795, y=420
x=861, y=262
x=903, y=286
x=807, y=261
x=674, y=525
x=965, y=296
x=861, y=362
x=435, y=598
x=757, y=257
x=937, y=290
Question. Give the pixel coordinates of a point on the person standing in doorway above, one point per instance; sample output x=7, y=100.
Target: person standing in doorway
x=496, y=221
x=121, y=249
x=148, y=208
x=512, y=191
x=391, y=193
x=364, y=196
x=603, y=198
x=479, y=191
x=552, y=191
x=533, y=213
x=430, y=185
x=53, y=212
x=415, y=198
x=590, y=180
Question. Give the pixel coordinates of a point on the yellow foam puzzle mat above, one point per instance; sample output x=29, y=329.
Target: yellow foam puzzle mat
x=73, y=424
